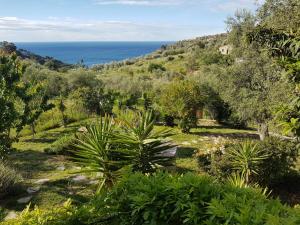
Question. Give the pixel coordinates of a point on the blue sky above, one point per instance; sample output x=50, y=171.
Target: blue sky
x=115, y=20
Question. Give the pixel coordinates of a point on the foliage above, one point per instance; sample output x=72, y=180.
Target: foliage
x=9, y=179
x=10, y=90
x=63, y=145
x=282, y=156
x=265, y=162
x=2, y=214
x=155, y=67
x=147, y=146
x=66, y=215
x=35, y=103
x=245, y=158
x=98, y=153
x=181, y=100
x=109, y=150
x=188, y=199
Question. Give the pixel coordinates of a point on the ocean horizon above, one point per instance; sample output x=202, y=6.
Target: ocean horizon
x=92, y=52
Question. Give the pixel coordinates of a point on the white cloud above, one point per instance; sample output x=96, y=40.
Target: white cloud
x=213, y=4
x=140, y=2
x=67, y=29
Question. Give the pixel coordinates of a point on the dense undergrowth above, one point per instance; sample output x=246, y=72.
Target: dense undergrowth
x=168, y=199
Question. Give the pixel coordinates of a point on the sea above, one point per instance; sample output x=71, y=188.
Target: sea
x=91, y=53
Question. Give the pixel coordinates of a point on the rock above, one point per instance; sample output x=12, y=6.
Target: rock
x=76, y=168
x=79, y=178
x=32, y=190
x=61, y=168
x=82, y=129
x=11, y=215
x=24, y=200
x=42, y=181
x=195, y=141
x=99, y=174
x=93, y=182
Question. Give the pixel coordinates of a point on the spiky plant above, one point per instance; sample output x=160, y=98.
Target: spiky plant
x=148, y=145
x=245, y=158
x=97, y=153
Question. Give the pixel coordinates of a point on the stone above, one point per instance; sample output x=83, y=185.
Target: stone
x=79, y=178
x=32, y=190
x=11, y=215
x=42, y=181
x=24, y=200
x=93, y=182
x=82, y=129
x=61, y=168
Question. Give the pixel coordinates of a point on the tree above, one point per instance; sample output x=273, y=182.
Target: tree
x=278, y=33
x=181, y=99
x=10, y=90
x=36, y=102
x=253, y=89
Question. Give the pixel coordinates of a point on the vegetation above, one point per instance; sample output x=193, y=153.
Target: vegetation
x=233, y=124
x=9, y=180
x=167, y=199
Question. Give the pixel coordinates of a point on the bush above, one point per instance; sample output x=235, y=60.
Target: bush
x=277, y=160
x=164, y=199
x=2, y=214
x=9, y=180
x=187, y=123
x=154, y=67
x=282, y=157
x=188, y=199
x=61, y=145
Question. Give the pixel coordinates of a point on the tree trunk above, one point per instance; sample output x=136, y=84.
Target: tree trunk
x=263, y=131
x=33, y=129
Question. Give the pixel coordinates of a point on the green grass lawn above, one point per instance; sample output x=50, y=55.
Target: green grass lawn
x=33, y=163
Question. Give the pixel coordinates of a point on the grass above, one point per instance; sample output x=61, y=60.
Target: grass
x=33, y=164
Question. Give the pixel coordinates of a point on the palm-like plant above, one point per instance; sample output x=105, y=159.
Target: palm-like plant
x=109, y=149
x=148, y=146
x=97, y=154
x=245, y=159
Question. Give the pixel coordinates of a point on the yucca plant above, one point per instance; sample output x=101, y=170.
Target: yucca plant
x=97, y=153
x=148, y=146
x=245, y=158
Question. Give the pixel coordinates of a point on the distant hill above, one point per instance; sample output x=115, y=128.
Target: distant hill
x=50, y=62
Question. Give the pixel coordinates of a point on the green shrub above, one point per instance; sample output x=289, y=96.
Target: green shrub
x=154, y=67
x=62, y=145
x=282, y=157
x=9, y=179
x=189, y=199
x=265, y=161
x=165, y=199
x=2, y=214
x=187, y=123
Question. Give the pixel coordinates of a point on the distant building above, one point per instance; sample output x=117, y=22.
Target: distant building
x=225, y=50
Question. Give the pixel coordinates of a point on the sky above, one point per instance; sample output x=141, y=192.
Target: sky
x=115, y=20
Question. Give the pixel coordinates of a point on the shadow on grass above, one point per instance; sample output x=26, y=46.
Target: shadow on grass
x=227, y=135
x=40, y=140
x=29, y=162
x=185, y=152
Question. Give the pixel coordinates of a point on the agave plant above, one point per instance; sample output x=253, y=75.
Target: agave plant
x=97, y=153
x=148, y=146
x=245, y=159
x=237, y=180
